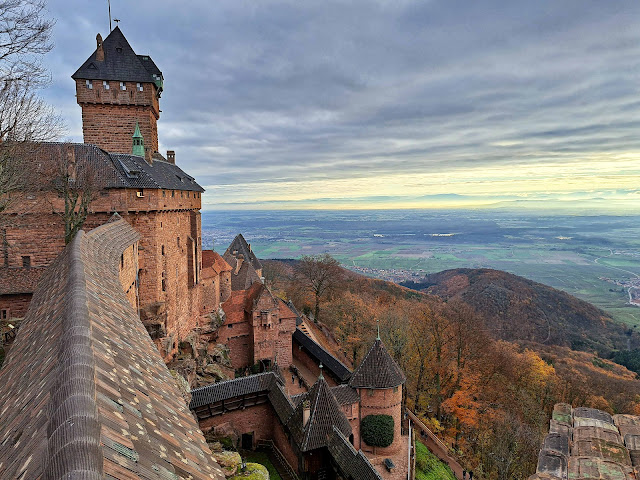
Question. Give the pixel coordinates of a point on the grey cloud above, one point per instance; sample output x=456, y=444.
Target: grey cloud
x=275, y=91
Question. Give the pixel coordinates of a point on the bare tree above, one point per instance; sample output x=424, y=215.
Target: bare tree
x=24, y=118
x=320, y=274
x=77, y=184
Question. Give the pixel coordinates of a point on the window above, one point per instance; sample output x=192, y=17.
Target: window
x=90, y=84
x=230, y=325
x=123, y=86
x=164, y=193
x=4, y=314
x=119, y=49
x=140, y=193
x=162, y=249
x=26, y=261
x=105, y=85
x=122, y=260
x=164, y=285
x=139, y=87
x=395, y=389
x=178, y=242
x=173, y=193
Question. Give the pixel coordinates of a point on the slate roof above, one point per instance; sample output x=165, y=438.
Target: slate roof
x=325, y=415
x=84, y=392
x=120, y=63
x=345, y=394
x=377, y=370
x=586, y=443
x=261, y=382
x=117, y=170
x=331, y=363
x=240, y=245
x=354, y=465
x=245, y=277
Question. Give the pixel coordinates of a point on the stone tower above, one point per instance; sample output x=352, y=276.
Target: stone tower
x=379, y=380
x=117, y=89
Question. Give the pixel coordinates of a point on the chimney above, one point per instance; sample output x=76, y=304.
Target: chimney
x=239, y=261
x=99, y=50
x=306, y=412
x=171, y=156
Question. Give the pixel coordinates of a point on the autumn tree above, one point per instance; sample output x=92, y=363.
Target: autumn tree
x=320, y=274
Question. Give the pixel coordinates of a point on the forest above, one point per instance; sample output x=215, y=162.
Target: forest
x=487, y=395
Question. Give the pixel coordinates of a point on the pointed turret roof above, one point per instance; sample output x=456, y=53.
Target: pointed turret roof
x=324, y=415
x=120, y=63
x=377, y=370
x=239, y=246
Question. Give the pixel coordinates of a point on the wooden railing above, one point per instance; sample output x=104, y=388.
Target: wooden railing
x=435, y=445
x=280, y=457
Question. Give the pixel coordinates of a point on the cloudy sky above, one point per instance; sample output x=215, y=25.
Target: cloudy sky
x=384, y=103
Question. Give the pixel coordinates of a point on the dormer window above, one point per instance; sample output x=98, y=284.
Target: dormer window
x=119, y=49
x=105, y=85
x=139, y=87
x=123, y=86
x=90, y=84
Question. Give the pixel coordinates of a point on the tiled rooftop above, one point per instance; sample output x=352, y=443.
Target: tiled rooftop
x=585, y=443
x=377, y=370
x=320, y=355
x=83, y=392
x=116, y=170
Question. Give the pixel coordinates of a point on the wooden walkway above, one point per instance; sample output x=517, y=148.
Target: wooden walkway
x=435, y=445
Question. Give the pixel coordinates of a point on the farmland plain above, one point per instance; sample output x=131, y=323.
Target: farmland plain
x=596, y=258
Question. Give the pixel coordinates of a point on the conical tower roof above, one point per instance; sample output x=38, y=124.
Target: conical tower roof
x=324, y=415
x=377, y=370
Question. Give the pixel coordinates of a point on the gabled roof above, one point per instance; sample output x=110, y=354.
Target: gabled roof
x=325, y=415
x=240, y=246
x=245, y=277
x=214, y=260
x=331, y=363
x=116, y=170
x=377, y=370
x=353, y=464
x=84, y=392
x=120, y=63
x=232, y=388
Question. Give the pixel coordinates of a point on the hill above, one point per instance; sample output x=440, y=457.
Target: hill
x=516, y=309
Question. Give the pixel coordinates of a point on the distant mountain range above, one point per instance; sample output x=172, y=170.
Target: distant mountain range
x=521, y=310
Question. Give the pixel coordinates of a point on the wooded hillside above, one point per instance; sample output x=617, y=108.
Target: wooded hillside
x=476, y=370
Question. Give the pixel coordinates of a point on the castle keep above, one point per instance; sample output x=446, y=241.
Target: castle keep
x=86, y=387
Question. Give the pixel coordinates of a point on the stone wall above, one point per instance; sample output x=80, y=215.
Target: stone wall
x=382, y=402
x=109, y=116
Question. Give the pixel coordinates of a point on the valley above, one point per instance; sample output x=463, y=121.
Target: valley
x=595, y=258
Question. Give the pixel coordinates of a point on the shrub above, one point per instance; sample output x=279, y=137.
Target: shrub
x=377, y=430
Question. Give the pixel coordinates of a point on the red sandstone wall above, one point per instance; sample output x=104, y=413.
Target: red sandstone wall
x=109, y=116
x=16, y=304
x=352, y=413
x=300, y=355
x=383, y=402
x=282, y=442
x=128, y=273
x=259, y=420
x=161, y=216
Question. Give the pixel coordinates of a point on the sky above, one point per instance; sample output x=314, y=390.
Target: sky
x=384, y=103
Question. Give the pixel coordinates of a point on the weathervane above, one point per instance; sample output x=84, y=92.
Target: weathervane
x=109, y=3
x=378, y=322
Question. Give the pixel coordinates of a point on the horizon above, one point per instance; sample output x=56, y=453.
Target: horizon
x=384, y=105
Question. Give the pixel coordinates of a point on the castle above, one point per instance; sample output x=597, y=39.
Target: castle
x=141, y=276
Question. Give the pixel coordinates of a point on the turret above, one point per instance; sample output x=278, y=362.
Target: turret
x=138, y=142
x=379, y=380
x=118, y=90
